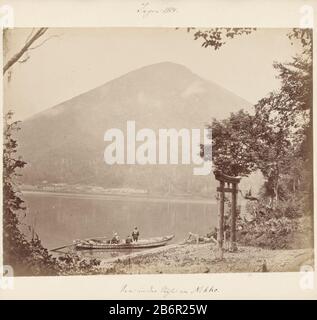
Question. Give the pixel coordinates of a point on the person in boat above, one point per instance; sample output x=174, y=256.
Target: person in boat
x=135, y=234
x=128, y=240
x=115, y=239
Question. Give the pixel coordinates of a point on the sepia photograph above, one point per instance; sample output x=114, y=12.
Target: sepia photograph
x=157, y=150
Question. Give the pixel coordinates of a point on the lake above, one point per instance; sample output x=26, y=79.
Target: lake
x=60, y=218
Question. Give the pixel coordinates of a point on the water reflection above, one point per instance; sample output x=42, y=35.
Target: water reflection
x=59, y=220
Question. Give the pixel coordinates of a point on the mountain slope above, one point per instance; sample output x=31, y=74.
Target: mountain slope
x=66, y=143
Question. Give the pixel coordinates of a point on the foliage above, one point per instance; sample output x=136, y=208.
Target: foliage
x=215, y=37
x=275, y=143
x=278, y=141
x=232, y=142
x=14, y=244
x=269, y=231
x=265, y=232
x=305, y=36
x=285, y=155
x=28, y=257
x=73, y=264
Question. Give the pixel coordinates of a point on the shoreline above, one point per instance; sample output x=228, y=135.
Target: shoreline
x=120, y=197
x=202, y=258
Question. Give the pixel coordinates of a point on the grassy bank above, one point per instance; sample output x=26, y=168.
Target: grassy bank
x=202, y=258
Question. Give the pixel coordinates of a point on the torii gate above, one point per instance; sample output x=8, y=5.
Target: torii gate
x=232, y=187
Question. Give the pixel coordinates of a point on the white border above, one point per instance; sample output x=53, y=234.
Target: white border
x=98, y=13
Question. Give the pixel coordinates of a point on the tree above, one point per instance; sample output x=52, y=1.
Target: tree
x=279, y=143
x=24, y=255
x=281, y=131
x=12, y=238
x=297, y=89
x=232, y=141
x=286, y=150
x=273, y=143
x=15, y=246
x=27, y=256
x=27, y=46
x=305, y=36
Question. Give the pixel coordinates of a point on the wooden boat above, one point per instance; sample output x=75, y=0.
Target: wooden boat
x=104, y=243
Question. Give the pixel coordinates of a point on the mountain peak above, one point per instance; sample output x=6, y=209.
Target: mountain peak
x=166, y=68
x=167, y=64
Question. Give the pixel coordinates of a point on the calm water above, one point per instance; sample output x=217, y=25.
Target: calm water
x=59, y=219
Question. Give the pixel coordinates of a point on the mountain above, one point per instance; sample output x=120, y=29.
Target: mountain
x=65, y=144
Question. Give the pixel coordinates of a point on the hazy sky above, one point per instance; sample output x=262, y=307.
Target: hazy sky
x=81, y=59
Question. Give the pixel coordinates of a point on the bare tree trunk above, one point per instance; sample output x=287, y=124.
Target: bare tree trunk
x=24, y=49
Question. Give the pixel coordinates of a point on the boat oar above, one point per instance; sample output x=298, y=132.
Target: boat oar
x=63, y=247
x=69, y=245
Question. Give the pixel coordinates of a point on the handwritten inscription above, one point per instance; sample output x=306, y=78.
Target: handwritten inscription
x=147, y=9
x=166, y=291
